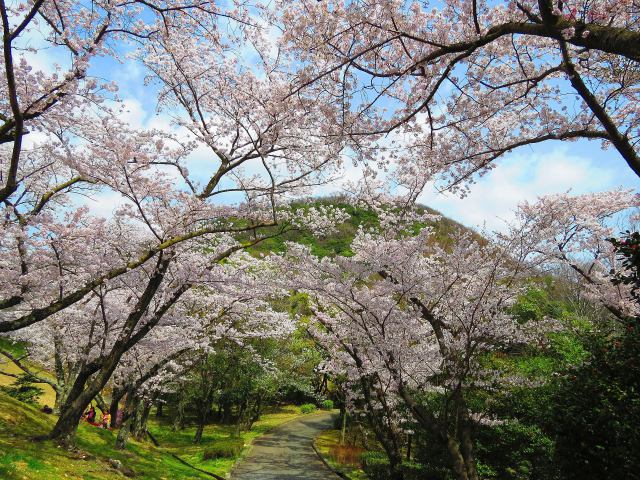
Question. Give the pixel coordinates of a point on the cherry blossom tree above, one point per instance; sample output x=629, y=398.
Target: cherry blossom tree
x=448, y=87
x=159, y=306
x=33, y=98
x=155, y=364
x=112, y=281
x=574, y=232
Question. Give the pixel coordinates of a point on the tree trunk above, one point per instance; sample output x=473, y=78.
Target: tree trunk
x=241, y=412
x=123, y=434
x=159, y=406
x=199, y=431
x=128, y=418
x=78, y=399
x=384, y=431
x=65, y=428
x=202, y=421
x=395, y=468
x=61, y=396
x=113, y=411
x=226, y=411
x=457, y=460
x=178, y=421
x=256, y=412
x=467, y=451
x=140, y=424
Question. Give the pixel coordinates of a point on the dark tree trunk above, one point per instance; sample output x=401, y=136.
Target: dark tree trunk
x=457, y=460
x=226, y=411
x=383, y=430
x=123, y=434
x=130, y=411
x=199, y=431
x=255, y=415
x=113, y=411
x=66, y=427
x=467, y=452
x=78, y=399
x=140, y=424
x=203, y=416
x=178, y=421
x=242, y=407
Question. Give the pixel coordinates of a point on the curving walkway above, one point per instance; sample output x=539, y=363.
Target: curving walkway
x=286, y=453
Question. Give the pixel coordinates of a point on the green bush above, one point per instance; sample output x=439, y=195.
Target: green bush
x=515, y=451
x=224, y=448
x=327, y=405
x=375, y=465
x=308, y=408
x=596, y=410
x=23, y=390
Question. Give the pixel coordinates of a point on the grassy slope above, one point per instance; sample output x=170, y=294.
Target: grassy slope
x=23, y=458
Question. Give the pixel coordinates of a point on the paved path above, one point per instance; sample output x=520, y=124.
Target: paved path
x=285, y=453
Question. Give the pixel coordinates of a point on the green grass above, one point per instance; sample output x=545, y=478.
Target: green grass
x=23, y=458
x=345, y=459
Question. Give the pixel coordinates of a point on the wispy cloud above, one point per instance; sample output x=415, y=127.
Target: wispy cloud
x=526, y=175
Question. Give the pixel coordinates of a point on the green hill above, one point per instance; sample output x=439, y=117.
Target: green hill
x=339, y=242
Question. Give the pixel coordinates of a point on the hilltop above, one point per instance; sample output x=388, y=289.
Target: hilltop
x=339, y=242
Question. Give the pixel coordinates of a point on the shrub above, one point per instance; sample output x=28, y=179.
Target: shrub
x=515, y=451
x=308, y=408
x=376, y=466
x=23, y=390
x=224, y=448
x=596, y=409
x=327, y=405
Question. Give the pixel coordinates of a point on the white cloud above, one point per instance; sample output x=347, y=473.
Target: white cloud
x=133, y=113
x=524, y=176
x=103, y=204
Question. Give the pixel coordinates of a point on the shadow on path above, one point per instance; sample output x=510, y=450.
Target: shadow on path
x=286, y=453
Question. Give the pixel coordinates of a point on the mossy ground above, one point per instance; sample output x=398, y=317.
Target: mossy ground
x=23, y=458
